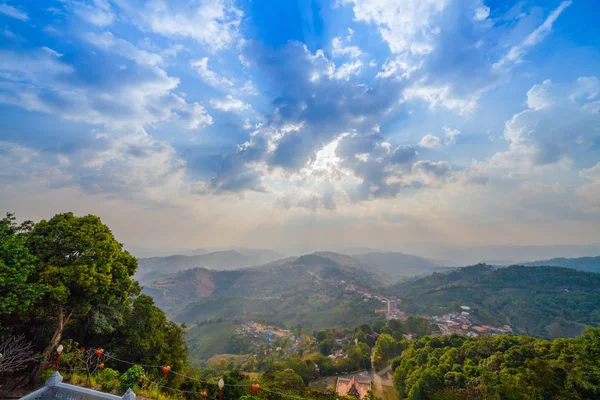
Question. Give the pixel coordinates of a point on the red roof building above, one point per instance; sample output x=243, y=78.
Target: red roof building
x=352, y=387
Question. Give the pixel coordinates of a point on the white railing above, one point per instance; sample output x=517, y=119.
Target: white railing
x=55, y=389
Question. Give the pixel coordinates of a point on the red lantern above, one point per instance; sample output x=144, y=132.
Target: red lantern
x=203, y=395
x=166, y=369
x=255, y=388
x=101, y=366
x=99, y=352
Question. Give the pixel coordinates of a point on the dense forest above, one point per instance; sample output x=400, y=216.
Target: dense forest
x=502, y=367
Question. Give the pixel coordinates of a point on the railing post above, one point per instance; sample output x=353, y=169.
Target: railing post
x=54, y=379
x=129, y=395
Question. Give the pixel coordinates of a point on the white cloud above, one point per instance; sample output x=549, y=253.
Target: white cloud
x=339, y=49
x=430, y=141
x=99, y=12
x=229, y=104
x=555, y=123
x=13, y=12
x=16, y=152
x=404, y=25
x=135, y=96
x=207, y=75
x=346, y=70
x=249, y=88
x=451, y=135
x=482, y=13
x=516, y=53
x=443, y=96
x=130, y=160
x=107, y=41
x=212, y=23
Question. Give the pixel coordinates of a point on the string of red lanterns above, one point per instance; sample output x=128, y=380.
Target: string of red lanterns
x=165, y=370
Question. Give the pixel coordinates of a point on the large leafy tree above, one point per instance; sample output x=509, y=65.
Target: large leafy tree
x=82, y=265
x=17, y=268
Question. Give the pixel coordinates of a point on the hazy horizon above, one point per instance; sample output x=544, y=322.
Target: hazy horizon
x=443, y=254
x=425, y=127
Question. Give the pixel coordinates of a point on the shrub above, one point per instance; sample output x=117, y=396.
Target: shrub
x=131, y=378
x=108, y=379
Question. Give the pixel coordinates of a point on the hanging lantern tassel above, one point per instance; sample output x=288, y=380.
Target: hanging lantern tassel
x=255, y=388
x=166, y=369
x=100, y=366
x=99, y=352
x=203, y=395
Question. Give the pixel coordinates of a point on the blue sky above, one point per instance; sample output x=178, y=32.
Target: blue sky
x=382, y=123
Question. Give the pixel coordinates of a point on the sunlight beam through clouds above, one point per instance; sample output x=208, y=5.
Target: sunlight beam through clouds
x=389, y=110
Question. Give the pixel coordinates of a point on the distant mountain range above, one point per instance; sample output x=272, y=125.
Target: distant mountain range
x=588, y=264
x=400, y=265
x=156, y=267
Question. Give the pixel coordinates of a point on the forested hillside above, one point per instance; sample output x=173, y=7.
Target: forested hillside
x=293, y=280
x=541, y=301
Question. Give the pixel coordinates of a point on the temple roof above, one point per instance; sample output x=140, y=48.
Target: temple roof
x=352, y=387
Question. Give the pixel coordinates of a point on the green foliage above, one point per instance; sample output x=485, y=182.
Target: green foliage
x=502, y=367
x=18, y=289
x=108, y=379
x=131, y=378
x=385, y=348
x=149, y=338
x=358, y=357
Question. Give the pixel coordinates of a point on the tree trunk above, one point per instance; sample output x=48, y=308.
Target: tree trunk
x=61, y=320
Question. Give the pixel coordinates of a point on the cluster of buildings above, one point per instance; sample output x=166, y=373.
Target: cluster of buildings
x=461, y=324
x=264, y=332
x=391, y=311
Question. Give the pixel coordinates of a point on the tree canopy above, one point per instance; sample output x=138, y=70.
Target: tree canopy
x=81, y=264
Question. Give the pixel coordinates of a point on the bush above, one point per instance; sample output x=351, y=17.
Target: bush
x=108, y=379
x=131, y=378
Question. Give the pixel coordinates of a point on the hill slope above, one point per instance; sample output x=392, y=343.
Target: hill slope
x=308, y=290
x=539, y=301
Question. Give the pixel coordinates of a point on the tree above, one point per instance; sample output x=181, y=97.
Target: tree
x=17, y=267
x=147, y=337
x=326, y=346
x=359, y=357
x=82, y=265
x=385, y=347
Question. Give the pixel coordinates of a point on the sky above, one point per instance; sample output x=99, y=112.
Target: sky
x=306, y=124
